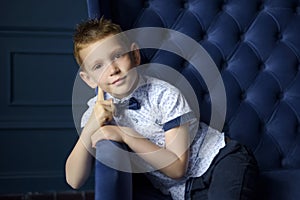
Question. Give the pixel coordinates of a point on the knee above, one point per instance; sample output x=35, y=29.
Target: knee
x=112, y=154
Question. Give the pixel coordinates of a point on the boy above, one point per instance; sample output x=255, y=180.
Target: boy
x=159, y=127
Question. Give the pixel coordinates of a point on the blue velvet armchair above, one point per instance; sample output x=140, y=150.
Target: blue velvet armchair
x=256, y=47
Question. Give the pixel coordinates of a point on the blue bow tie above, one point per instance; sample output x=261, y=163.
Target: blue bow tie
x=132, y=104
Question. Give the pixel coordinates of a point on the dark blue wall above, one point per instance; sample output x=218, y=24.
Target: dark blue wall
x=37, y=72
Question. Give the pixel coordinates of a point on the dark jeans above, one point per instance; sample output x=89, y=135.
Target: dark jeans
x=231, y=176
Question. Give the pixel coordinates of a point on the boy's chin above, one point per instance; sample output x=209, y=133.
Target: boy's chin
x=121, y=92
x=125, y=89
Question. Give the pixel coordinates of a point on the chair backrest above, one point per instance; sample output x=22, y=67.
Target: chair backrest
x=256, y=47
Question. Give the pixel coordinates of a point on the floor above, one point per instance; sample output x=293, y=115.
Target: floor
x=69, y=195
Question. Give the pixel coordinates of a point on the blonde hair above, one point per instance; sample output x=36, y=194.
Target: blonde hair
x=91, y=31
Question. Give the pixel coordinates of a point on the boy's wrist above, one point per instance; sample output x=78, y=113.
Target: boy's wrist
x=128, y=134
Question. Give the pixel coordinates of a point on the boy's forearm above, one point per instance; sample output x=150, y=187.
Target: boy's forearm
x=161, y=158
x=78, y=165
x=79, y=162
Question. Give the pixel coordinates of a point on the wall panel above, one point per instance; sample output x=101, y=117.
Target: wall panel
x=37, y=73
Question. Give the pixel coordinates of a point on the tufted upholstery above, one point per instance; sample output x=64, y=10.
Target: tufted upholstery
x=256, y=46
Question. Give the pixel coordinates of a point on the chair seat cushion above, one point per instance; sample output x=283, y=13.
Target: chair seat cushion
x=280, y=185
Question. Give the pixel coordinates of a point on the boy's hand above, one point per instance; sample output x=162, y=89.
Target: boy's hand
x=115, y=133
x=103, y=109
x=109, y=132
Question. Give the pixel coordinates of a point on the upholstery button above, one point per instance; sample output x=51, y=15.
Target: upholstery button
x=279, y=36
x=262, y=66
x=146, y=4
x=243, y=95
x=280, y=95
x=262, y=127
x=186, y=5
x=223, y=7
x=260, y=7
x=224, y=64
x=185, y=64
x=203, y=95
x=204, y=36
x=206, y=96
x=242, y=36
x=283, y=162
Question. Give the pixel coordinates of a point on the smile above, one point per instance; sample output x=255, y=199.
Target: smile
x=118, y=81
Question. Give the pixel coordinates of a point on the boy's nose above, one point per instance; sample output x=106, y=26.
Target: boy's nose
x=114, y=69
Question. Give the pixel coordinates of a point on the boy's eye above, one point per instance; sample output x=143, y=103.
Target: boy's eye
x=97, y=66
x=117, y=56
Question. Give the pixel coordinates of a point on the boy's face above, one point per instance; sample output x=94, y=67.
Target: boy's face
x=110, y=65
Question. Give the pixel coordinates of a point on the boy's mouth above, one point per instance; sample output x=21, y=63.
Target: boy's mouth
x=118, y=81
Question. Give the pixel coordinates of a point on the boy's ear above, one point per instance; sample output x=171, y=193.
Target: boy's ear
x=135, y=53
x=87, y=79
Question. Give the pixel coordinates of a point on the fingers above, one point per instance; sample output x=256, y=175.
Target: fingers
x=95, y=138
x=103, y=120
x=108, y=105
x=106, y=133
x=100, y=94
x=103, y=109
x=102, y=113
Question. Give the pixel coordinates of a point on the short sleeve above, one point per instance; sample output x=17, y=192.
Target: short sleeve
x=174, y=109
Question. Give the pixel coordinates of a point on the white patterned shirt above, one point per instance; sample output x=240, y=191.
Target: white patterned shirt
x=163, y=107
